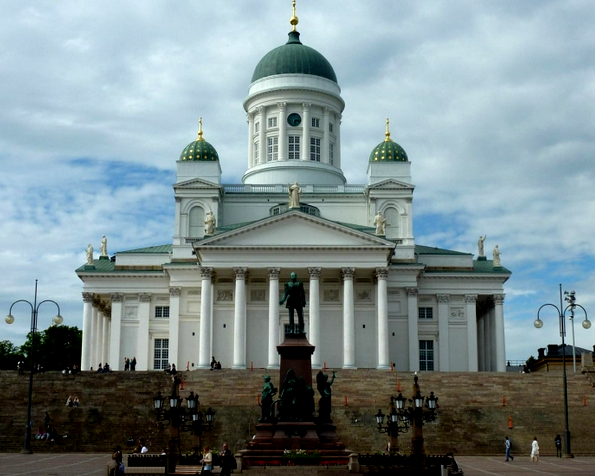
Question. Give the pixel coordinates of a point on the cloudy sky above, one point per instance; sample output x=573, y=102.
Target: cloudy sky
x=493, y=102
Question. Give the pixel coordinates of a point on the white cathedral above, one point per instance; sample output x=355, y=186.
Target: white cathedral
x=374, y=298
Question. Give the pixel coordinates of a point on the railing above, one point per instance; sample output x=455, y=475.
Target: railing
x=147, y=461
x=248, y=188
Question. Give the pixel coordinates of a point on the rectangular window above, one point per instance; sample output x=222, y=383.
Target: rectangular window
x=161, y=312
x=331, y=153
x=257, y=127
x=425, y=313
x=272, y=148
x=331, y=127
x=315, y=149
x=426, y=355
x=161, y=354
x=315, y=122
x=272, y=122
x=256, y=151
x=294, y=148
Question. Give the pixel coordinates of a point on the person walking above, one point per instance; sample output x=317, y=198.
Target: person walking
x=558, y=442
x=228, y=462
x=207, y=461
x=507, y=446
x=534, y=450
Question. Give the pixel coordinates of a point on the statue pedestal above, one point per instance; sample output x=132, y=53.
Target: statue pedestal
x=296, y=354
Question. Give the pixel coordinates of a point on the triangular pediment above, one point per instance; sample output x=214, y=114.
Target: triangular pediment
x=196, y=183
x=390, y=184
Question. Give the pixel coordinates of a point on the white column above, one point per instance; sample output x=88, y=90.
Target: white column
x=174, y=325
x=282, y=130
x=206, y=319
x=86, y=362
x=325, y=134
x=489, y=333
x=481, y=343
x=412, y=315
x=383, y=357
x=348, y=319
x=144, y=314
x=239, y=320
x=95, y=358
x=262, y=135
x=251, y=139
x=499, y=334
x=115, y=359
x=105, y=337
x=338, y=142
x=443, y=340
x=273, y=317
x=178, y=222
x=306, y=131
x=314, y=312
x=470, y=300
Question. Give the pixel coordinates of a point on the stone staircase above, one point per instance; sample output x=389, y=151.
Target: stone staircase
x=472, y=419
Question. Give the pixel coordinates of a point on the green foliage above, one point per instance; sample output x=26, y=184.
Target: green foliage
x=530, y=360
x=10, y=354
x=55, y=348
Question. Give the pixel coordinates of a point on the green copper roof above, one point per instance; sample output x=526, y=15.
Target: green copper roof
x=294, y=58
x=151, y=249
x=199, y=149
x=388, y=151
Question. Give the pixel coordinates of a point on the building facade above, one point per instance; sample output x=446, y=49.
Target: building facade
x=374, y=297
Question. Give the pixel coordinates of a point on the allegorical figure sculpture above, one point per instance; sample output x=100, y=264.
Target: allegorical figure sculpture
x=480, y=251
x=89, y=254
x=497, y=256
x=294, y=195
x=296, y=301
x=380, y=224
x=296, y=400
x=266, y=400
x=324, y=404
x=210, y=223
x=103, y=247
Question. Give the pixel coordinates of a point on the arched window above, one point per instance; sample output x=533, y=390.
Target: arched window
x=196, y=222
x=393, y=223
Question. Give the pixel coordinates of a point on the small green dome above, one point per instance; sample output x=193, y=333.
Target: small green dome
x=199, y=149
x=294, y=58
x=388, y=151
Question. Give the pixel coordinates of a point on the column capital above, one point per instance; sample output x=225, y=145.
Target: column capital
x=306, y=106
x=241, y=273
x=96, y=301
x=206, y=273
x=314, y=273
x=471, y=298
x=261, y=110
x=499, y=299
x=87, y=297
x=117, y=297
x=282, y=105
x=274, y=273
x=411, y=291
x=347, y=273
x=144, y=297
x=382, y=273
x=326, y=110
x=175, y=292
x=250, y=115
x=443, y=298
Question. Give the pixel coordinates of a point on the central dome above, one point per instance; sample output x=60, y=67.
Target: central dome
x=294, y=58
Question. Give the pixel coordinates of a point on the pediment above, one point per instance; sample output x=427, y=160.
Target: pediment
x=390, y=184
x=295, y=229
x=196, y=183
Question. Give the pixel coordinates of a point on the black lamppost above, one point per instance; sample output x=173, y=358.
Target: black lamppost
x=402, y=417
x=571, y=299
x=9, y=320
x=188, y=418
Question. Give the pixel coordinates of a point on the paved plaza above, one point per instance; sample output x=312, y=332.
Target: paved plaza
x=77, y=464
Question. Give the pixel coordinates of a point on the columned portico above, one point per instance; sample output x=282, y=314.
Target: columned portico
x=443, y=339
x=412, y=315
x=348, y=319
x=470, y=311
x=87, y=331
x=115, y=331
x=144, y=308
x=206, y=318
x=239, y=320
x=383, y=356
x=314, y=337
x=499, y=333
x=273, y=355
x=174, y=324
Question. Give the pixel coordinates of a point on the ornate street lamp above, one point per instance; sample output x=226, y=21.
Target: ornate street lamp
x=9, y=320
x=571, y=299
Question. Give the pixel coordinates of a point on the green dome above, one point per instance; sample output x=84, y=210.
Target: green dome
x=388, y=151
x=199, y=149
x=294, y=58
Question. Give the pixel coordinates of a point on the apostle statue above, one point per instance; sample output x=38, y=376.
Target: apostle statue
x=480, y=245
x=294, y=195
x=89, y=254
x=210, y=223
x=380, y=224
x=103, y=247
x=496, y=257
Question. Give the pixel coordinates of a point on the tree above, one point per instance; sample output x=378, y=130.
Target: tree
x=10, y=354
x=56, y=348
